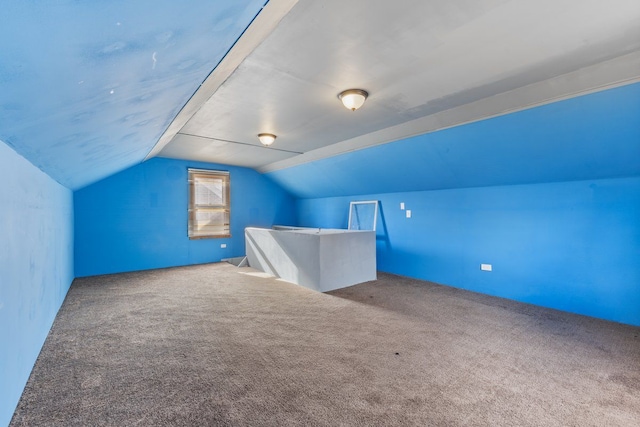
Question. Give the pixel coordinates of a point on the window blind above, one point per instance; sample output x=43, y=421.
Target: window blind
x=209, y=207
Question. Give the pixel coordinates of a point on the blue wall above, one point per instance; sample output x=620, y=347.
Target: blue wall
x=574, y=246
x=137, y=219
x=36, y=268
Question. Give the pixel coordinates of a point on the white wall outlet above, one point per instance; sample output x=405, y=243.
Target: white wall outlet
x=486, y=267
x=402, y=205
x=408, y=213
x=223, y=245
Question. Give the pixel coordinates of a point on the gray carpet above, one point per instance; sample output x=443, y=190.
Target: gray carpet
x=218, y=345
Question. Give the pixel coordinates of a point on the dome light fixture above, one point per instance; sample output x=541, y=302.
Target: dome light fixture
x=266, y=138
x=353, y=98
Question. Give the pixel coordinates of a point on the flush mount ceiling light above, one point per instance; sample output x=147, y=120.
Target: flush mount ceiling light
x=266, y=138
x=353, y=98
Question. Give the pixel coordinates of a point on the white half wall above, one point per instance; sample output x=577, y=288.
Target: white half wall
x=318, y=259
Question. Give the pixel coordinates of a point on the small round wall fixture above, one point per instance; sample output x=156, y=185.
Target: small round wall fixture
x=266, y=138
x=353, y=98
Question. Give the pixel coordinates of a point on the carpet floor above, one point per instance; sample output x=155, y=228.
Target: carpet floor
x=224, y=346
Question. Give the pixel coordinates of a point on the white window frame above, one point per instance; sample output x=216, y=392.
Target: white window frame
x=352, y=207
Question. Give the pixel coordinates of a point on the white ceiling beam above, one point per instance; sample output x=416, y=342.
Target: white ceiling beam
x=266, y=21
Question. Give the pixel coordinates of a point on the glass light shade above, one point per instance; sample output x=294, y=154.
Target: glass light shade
x=353, y=98
x=266, y=138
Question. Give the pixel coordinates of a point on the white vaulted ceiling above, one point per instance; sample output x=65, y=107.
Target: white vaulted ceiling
x=426, y=64
x=88, y=89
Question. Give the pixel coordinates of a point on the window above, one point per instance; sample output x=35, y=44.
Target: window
x=208, y=204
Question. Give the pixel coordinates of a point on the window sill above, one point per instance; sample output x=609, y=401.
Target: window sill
x=218, y=236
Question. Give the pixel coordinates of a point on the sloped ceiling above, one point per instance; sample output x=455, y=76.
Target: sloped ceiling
x=427, y=65
x=87, y=88
x=90, y=88
x=595, y=136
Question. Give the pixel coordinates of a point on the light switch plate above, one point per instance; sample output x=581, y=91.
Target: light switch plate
x=408, y=213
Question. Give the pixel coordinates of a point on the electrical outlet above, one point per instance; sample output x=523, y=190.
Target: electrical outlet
x=408, y=213
x=486, y=267
x=223, y=245
x=402, y=205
